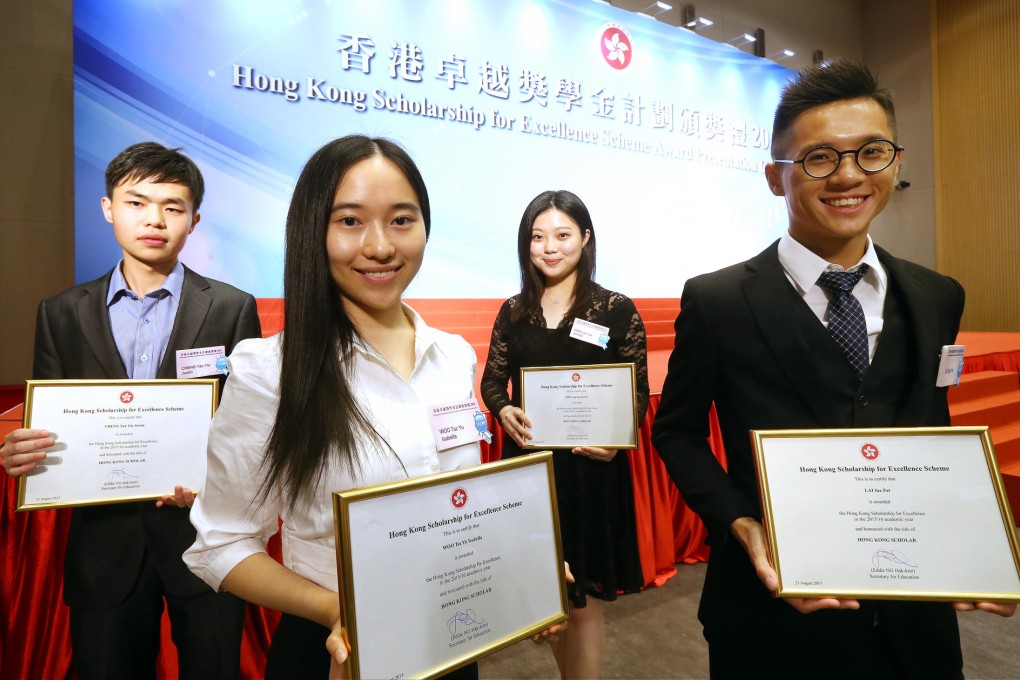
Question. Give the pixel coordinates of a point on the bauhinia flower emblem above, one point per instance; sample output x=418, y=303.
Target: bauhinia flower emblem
x=616, y=46
x=616, y=49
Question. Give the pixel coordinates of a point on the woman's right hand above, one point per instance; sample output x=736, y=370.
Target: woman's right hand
x=516, y=424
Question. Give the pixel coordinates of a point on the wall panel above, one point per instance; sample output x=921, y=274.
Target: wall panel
x=976, y=108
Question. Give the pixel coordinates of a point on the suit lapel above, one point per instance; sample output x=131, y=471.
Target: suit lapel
x=94, y=321
x=921, y=317
x=191, y=314
x=772, y=302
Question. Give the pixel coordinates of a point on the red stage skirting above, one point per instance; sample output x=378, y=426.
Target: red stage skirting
x=34, y=642
x=990, y=351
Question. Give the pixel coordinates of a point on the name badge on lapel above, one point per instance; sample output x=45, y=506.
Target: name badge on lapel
x=459, y=423
x=950, y=366
x=589, y=332
x=201, y=362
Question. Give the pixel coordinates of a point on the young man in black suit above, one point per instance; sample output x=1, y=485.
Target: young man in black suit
x=754, y=338
x=123, y=560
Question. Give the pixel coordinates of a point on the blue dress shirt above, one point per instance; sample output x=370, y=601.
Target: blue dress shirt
x=142, y=325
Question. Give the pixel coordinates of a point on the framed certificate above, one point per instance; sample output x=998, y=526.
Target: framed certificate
x=437, y=571
x=117, y=440
x=906, y=514
x=581, y=406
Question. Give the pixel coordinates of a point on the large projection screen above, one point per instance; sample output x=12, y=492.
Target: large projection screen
x=661, y=132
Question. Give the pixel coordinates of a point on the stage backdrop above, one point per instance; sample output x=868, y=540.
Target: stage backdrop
x=661, y=132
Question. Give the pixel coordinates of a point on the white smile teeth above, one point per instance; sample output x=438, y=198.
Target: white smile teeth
x=378, y=275
x=842, y=202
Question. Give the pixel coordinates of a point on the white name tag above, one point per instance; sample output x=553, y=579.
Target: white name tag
x=459, y=423
x=589, y=332
x=201, y=362
x=950, y=365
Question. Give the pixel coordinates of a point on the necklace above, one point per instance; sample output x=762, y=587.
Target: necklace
x=548, y=297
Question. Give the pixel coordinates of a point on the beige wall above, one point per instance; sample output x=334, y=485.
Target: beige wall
x=36, y=200
x=36, y=221
x=977, y=155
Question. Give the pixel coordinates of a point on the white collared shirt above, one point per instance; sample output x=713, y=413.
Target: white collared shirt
x=230, y=527
x=803, y=267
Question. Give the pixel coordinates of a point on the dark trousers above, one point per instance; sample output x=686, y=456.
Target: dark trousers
x=824, y=644
x=123, y=641
x=298, y=651
x=751, y=634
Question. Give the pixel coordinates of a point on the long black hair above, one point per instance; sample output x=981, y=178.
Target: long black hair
x=319, y=419
x=532, y=280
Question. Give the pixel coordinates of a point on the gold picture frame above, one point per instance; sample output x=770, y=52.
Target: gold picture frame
x=420, y=563
x=926, y=506
x=576, y=382
x=96, y=422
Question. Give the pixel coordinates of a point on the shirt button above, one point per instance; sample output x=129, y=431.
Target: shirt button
x=145, y=321
x=144, y=357
x=862, y=400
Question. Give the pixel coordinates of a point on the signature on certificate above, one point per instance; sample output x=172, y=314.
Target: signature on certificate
x=118, y=474
x=894, y=556
x=466, y=618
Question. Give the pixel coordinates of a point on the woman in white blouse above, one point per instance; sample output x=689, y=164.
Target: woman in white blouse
x=338, y=401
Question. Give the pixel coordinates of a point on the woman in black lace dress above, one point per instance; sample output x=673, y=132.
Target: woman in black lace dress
x=556, y=249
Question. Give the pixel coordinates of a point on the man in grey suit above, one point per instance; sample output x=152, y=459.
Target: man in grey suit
x=823, y=329
x=124, y=560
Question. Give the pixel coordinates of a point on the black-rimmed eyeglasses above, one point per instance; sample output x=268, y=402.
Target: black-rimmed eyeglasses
x=873, y=156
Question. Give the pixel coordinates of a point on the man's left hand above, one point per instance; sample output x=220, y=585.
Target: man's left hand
x=1000, y=608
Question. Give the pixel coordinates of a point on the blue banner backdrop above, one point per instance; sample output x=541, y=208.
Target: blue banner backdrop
x=661, y=132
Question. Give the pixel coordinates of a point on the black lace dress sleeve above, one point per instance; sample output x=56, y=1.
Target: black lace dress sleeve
x=496, y=375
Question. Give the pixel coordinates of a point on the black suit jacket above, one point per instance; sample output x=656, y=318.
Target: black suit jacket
x=738, y=345
x=73, y=339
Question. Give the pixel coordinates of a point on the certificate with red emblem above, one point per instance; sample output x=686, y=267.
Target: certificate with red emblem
x=911, y=514
x=438, y=571
x=573, y=406
x=117, y=440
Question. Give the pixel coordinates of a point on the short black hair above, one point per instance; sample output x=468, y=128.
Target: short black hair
x=155, y=163
x=823, y=84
